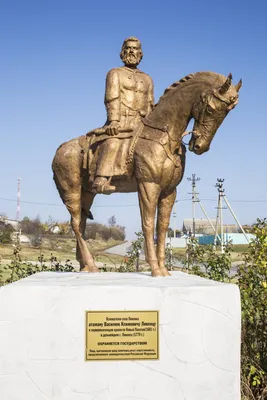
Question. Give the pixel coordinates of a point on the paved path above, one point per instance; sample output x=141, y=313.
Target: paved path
x=122, y=249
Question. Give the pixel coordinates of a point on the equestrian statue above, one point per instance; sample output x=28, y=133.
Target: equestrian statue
x=140, y=148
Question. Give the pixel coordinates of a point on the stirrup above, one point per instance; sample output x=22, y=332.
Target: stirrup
x=103, y=188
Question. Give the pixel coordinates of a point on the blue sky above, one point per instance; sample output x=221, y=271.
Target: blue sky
x=54, y=59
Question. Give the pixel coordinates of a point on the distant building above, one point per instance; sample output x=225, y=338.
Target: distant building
x=176, y=242
x=24, y=239
x=233, y=238
x=203, y=227
x=7, y=221
x=55, y=229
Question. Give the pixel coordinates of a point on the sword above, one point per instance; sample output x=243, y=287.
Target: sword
x=102, y=131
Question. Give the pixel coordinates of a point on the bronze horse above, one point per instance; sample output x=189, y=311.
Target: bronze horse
x=158, y=160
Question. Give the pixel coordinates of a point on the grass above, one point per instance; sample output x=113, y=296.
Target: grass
x=61, y=248
x=236, y=254
x=113, y=259
x=179, y=252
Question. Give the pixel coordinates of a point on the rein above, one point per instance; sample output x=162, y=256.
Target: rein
x=184, y=134
x=200, y=119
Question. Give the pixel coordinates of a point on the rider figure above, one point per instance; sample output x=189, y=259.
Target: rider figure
x=129, y=96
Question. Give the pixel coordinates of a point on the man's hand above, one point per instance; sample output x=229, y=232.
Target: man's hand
x=112, y=128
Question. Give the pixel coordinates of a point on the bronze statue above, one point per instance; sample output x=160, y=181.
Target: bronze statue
x=150, y=156
x=129, y=96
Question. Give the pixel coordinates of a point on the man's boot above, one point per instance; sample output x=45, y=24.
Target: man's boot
x=105, y=166
x=101, y=185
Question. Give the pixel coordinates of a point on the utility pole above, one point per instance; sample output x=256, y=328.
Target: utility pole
x=18, y=201
x=235, y=217
x=220, y=207
x=197, y=200
x=219, y=218
x=206, y=215
x=174, y=214
x=194, y=200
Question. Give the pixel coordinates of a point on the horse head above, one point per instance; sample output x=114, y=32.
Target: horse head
x=209, y=111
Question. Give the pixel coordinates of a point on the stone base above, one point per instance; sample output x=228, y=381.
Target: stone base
x=42, y=338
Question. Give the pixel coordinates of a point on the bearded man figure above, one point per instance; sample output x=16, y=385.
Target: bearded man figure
x=129, y=97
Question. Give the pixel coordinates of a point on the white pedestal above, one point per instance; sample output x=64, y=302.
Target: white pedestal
x=42, y=338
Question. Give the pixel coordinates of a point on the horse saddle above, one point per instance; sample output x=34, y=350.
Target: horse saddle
x=91, y=145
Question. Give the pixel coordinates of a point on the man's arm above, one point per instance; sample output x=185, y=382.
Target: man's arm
x=112, y=96
x=150, y=98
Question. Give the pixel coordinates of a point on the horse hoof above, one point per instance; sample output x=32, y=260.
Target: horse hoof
x=157, y=272
x=89, y=269
x=84, y=269
x=94, y=269
x=165, y=272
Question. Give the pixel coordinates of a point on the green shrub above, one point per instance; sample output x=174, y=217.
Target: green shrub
x=31, y=226
x=132, y=258
x=94, y=230
x=18, y=270
x=252, y=281
x=6, y=234
x=204, y=261
x=117, y=232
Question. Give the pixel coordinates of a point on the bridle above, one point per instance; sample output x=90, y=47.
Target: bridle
x=231, y=103
x=194, y=135
x=185, y=134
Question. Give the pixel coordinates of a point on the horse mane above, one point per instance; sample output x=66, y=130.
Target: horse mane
x=173, y=86
x=209, y=77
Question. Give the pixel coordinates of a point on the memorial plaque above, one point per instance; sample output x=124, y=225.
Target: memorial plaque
x=122, y=335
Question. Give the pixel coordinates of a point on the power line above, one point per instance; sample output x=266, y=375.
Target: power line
x=62, y=205
x=240, y=201
x=32, y=202
x=126, y=205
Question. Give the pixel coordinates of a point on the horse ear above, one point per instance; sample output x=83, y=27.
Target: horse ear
x=225, y=86
x=238, y=86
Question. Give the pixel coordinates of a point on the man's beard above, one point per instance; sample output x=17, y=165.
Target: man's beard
x=131, y=59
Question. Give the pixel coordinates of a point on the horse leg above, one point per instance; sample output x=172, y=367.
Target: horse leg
x=87, y=201
x=148, y=194
x=165, y=205
x=74, y=205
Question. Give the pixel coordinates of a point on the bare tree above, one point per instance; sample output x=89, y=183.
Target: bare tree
x=112, y=221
